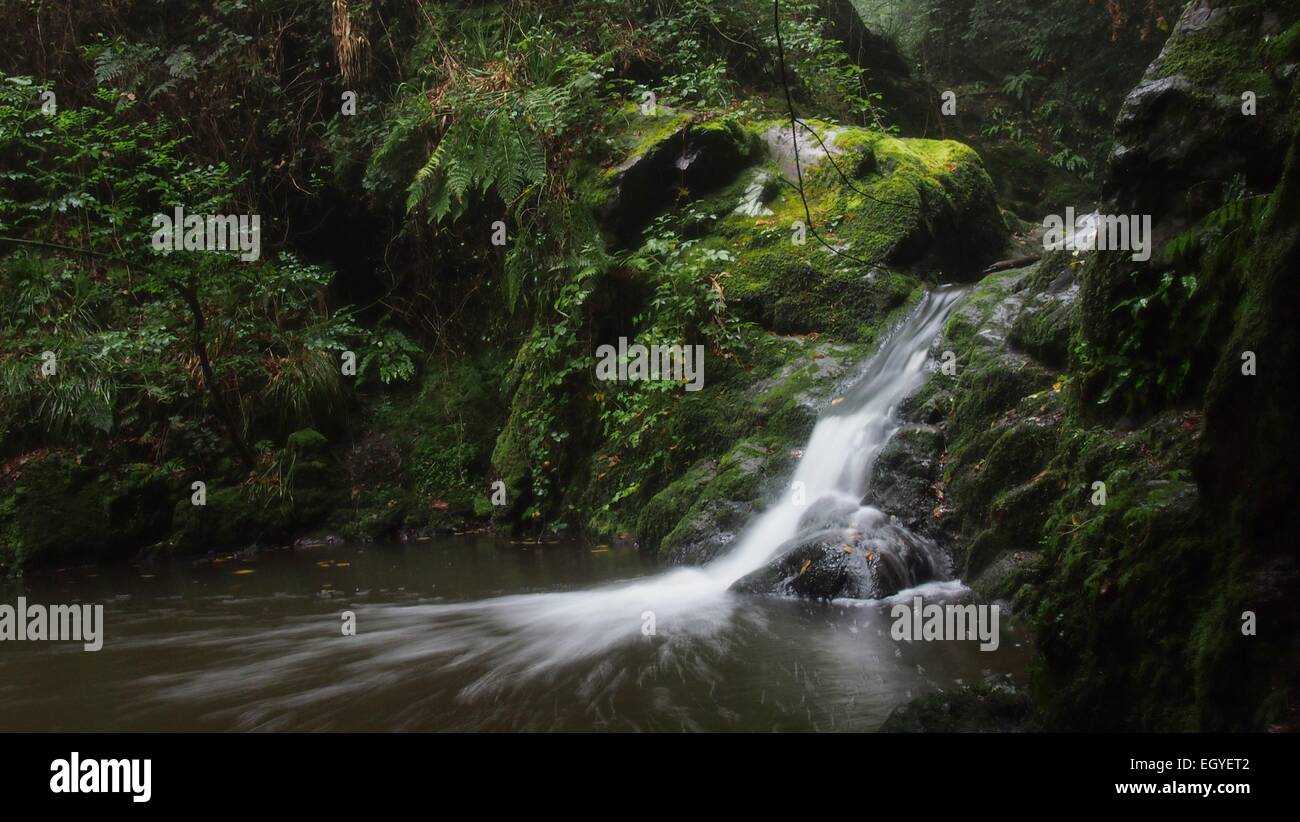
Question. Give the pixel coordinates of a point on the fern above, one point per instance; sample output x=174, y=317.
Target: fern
x=1221, y=228
x=426, y=179
x=180, y=64
x=497, y=153
x=123, y=64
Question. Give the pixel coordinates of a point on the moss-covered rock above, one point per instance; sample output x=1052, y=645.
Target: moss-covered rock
x=1135, y=577
x=232, y=517
x=54, y=509
x=875, y=199
x=906, y=476
x=740, y=485
x=810, y=312
x=990, y=707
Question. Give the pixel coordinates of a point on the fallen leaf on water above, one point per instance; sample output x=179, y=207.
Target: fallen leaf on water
x=242, y=571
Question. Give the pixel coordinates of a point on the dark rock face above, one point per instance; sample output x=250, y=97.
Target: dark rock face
x=992, y=706
x=853, y=563
x=693, y=158
x=904, y=95
x=710, y=531
x=1183, y=126
x=903, y=483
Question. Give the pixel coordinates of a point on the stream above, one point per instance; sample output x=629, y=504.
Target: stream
x=484, y=633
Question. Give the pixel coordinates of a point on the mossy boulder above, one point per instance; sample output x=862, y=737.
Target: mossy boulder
x=736, y=490
x=880, y=202
x=994, y=706
x=232, y=517
x=678, y=154
x=721, y=180
x=905, y=477
x=55, y=509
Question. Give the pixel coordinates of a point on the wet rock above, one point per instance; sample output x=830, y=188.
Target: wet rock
x=1005, y=577
x=708, y=531
x=694, y=158
x=824, y=567
x=843, y=563
x=903, y=483
x=1049, y=319
x=318, y=541
x=993, y=706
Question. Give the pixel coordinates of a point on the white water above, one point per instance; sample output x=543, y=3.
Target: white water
x=843, y=447
x=494, y=645
x=533, y=633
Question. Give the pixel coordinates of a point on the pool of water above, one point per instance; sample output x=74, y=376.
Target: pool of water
x=464, y=633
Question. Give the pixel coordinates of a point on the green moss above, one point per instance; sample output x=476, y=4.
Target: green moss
x=1135, y=603
x=907, y=198
x=744, y=479
x=57, y=510
x=307, y=441
x=230, y=518
x=750, y=415
x=1286, y=46
x=1213, y=58
x=644, y=132
x=665, y=509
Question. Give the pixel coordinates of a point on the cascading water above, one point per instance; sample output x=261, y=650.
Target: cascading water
x=589, y=649
x=546, y=630
x=837, y=463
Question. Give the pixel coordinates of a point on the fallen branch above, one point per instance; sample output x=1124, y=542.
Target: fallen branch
x=1015, y=262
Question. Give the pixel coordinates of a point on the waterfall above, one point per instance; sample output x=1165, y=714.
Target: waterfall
x=841, y=452
x=531, y=633
x=677, y=623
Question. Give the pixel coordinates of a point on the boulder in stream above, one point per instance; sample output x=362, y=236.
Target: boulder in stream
x=843, y=563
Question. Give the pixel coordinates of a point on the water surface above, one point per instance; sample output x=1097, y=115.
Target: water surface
x=482, y=634
x=444, y=643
